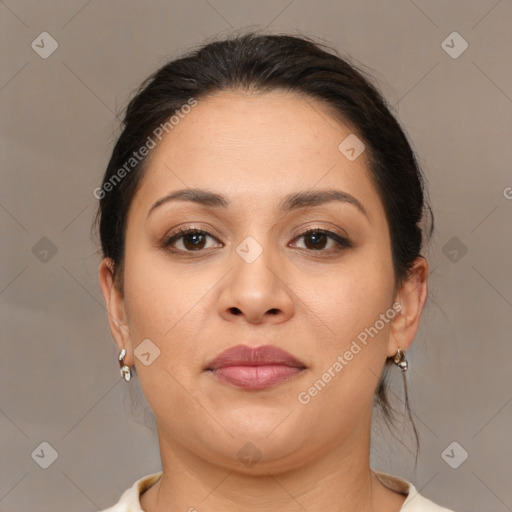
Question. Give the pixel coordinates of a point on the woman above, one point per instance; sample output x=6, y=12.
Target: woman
x=260, y=225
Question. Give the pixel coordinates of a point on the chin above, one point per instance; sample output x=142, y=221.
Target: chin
x=259, y=456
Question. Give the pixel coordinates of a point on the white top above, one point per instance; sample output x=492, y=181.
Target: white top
x=130, y=499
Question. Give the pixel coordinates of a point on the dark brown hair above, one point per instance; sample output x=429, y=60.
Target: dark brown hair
x=260, y=62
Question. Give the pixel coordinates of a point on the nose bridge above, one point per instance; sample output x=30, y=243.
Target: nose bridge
x=255, y=290
x=256, y=246
x=253, y=256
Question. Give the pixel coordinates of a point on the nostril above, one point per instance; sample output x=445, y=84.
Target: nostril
x=235, y=311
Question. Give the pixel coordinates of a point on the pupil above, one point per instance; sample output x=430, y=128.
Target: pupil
x=197, y=239
x=317, y=238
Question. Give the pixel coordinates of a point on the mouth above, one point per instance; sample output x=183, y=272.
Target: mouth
x=255, y=368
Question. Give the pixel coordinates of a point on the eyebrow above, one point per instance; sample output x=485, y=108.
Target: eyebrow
x=288, y=203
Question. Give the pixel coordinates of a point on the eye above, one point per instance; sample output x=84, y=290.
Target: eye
x=194, y=240
x=191, y=239
x=316, y=240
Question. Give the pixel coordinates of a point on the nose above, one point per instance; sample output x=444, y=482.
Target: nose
x=257, y=291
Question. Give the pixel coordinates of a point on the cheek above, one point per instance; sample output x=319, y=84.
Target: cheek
x=355, y=307
x=154, y=306
x=156, y=297
x=350, y=352
x=353, y=297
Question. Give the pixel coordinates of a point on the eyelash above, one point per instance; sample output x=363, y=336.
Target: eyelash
x=343, y=243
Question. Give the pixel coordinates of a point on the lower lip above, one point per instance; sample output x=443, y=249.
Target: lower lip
x=256, y=377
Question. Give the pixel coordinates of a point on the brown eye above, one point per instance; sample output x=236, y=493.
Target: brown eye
x=194, y=241
x=317, y=239
x=191, y=240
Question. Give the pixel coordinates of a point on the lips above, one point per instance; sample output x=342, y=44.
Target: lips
x=255, y=367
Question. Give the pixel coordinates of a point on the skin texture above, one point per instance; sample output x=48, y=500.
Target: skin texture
x=255, y=149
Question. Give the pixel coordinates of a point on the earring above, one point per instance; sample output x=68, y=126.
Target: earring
x=125, y=371
x=400, y=359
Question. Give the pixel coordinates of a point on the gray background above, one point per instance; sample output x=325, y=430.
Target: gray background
x=59, y=373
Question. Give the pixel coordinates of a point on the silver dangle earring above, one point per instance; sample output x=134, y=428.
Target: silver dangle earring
x=400, y=359
x=126, y=372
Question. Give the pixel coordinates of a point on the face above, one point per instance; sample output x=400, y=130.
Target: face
x=313, y=278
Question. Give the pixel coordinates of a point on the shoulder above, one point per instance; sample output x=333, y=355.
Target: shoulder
x=130, y=499
x=414, y=502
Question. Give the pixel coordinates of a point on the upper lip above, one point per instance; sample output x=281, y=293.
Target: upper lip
x=244, y=355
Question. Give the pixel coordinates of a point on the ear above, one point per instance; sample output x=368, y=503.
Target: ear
x=411, y=298
x=114, y=301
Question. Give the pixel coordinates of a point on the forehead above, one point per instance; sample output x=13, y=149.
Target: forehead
x=256, y=148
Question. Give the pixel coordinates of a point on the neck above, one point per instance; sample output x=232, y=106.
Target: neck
x=339, y=480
